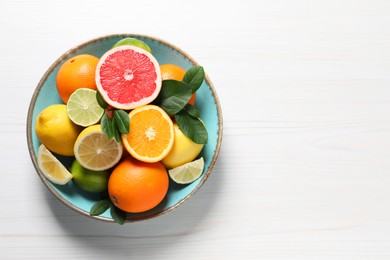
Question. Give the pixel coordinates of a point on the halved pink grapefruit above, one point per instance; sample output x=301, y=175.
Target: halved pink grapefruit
x=128, y=77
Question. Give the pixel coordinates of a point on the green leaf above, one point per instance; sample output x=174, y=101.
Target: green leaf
x=118, y=215
x=117, y=135
x=115, y=132
x=100, y=100
x=194, y=77
x=192, y=110
x=174, y=95
x=107, y=126
x=100, y=207
x=122, y=121
x=192, y=127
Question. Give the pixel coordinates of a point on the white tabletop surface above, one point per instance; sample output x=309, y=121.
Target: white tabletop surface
x=304, y=168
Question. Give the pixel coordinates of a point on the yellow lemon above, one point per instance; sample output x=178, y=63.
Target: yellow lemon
x=184, y=150
x=52, y=168
x=56, y=131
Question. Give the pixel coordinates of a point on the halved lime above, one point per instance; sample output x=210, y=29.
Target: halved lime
x=51, y=167
x=83, y=108
x=134, y=42
x=188, y=172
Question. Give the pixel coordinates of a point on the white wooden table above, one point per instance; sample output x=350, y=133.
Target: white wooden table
x=304, y=169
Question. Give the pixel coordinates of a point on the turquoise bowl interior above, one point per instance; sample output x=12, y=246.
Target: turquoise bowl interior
x=207, y=102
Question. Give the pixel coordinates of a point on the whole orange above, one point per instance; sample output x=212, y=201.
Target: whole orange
x=173, y=71
x=77, y=72
x=136, y=186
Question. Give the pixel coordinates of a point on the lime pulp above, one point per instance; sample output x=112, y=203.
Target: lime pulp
x=83, y=108
x=188, y=172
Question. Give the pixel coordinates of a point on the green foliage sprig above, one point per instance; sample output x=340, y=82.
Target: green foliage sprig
x=114, y=121
x=101, y=206
x=174, y=97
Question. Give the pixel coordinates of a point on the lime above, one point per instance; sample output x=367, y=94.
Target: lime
x=134, y=42
x=51, y=167
x=83, y=108
x=56, y=131
x=95, y=151
x=88, y=180
x=188, y=172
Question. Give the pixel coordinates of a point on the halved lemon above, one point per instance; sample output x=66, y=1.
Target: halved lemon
x=188, y=172
x=51, y=167
x=151, y=134
x=95, y=151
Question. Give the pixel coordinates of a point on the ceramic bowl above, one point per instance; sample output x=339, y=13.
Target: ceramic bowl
x=207, y=102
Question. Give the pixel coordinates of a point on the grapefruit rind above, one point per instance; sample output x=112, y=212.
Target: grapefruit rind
x=104, y=89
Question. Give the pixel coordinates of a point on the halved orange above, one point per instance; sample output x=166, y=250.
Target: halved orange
x=151, y=134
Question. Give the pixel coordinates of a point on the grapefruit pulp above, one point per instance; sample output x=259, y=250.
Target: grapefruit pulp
x=128, y=77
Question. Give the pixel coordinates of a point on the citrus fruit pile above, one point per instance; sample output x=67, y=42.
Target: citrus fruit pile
x=128, y=123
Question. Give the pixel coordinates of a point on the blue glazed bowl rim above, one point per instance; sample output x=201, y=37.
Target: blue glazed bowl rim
x=61, y=59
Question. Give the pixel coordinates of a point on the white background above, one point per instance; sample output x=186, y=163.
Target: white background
x=304, y=169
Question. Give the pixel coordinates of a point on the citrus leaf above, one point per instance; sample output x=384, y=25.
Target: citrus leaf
x=100, y=207
x=117, y=136
x=174, y=95
x=192, y=127
x=107, y=126
x=192, y=110
x=194, y=77
x=115, y=132
x=102, y=103
x=122, y=121
x=118, y=215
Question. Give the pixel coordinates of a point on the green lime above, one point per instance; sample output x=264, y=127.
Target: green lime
x=134, y=42
x=188, y=172
x=83, y=108
x=88, y=180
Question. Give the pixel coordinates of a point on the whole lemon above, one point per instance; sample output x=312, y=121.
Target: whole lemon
x=56, y=131
x=184, y=150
